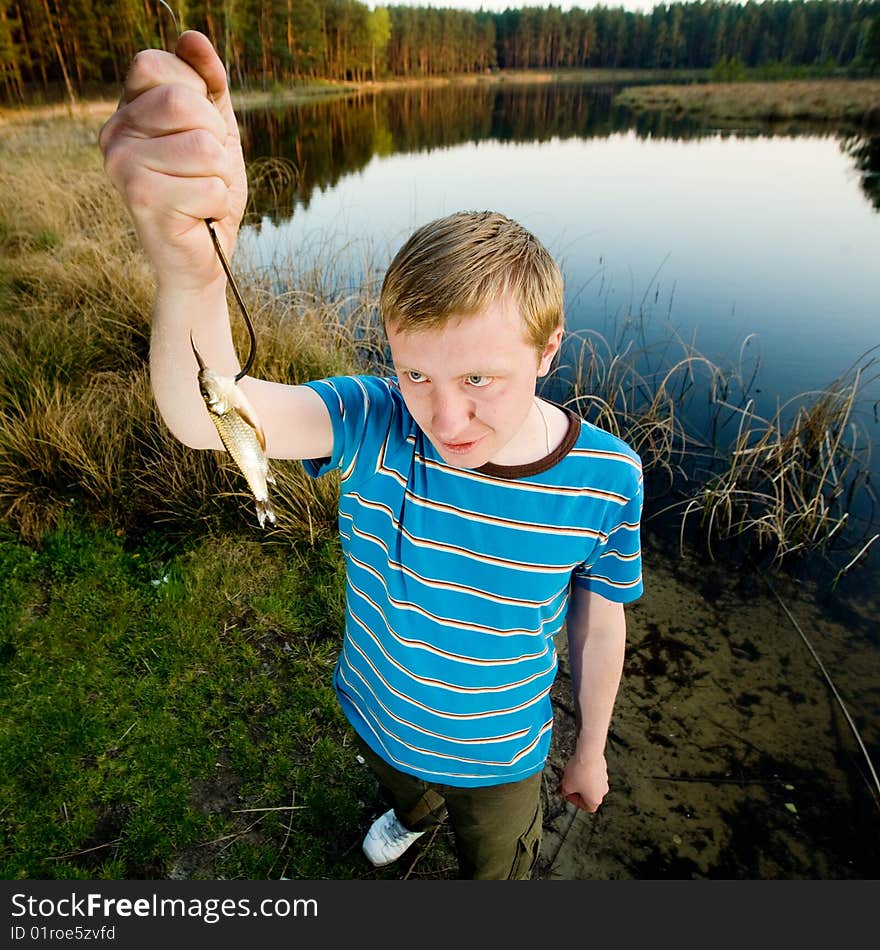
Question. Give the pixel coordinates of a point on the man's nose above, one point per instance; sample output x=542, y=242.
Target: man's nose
x=451, y=412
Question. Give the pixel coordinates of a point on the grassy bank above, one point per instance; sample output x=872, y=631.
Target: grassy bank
x=852, y=101
x=166, y=707
x=168, y=711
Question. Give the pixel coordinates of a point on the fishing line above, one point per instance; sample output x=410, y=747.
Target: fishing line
x=209, y=223
x=238, y=299
x=830, y=682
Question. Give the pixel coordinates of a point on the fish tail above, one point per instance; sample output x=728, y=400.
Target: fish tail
x=265, y=512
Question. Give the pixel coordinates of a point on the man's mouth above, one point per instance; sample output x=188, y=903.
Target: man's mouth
x=460, y=448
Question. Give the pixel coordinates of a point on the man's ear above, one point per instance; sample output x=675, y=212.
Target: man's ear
x=550, y=350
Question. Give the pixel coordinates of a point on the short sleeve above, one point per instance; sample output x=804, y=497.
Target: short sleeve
x=616, y=571
x=360, y=408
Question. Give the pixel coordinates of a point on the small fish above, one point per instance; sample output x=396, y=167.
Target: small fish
x=240, y=431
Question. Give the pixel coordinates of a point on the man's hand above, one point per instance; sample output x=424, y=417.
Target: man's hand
x=585, y=783
x=173, y=151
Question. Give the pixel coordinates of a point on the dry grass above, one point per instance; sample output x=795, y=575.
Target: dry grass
x=612, y=385
x=848, y=100
x=78, y=424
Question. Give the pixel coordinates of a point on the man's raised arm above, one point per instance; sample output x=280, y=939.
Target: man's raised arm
x=172, y=149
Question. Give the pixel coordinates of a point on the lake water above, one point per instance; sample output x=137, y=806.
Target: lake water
x=668, y=232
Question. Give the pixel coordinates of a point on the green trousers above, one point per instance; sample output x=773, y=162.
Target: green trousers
x=497, y=828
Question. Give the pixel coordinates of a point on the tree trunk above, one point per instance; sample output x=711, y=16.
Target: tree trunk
x=61, y=62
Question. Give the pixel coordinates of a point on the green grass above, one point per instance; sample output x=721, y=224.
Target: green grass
x=152, y=697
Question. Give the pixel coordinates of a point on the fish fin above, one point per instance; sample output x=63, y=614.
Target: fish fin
x=254, y=423
x=199, y=359
x=265, y=512
x=247, y=412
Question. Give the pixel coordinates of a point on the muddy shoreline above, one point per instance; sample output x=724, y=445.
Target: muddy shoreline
x=729, y=756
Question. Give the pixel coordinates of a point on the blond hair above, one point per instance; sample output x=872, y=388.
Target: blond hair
x=458, y=265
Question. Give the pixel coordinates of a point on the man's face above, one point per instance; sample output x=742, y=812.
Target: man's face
x=470, y=385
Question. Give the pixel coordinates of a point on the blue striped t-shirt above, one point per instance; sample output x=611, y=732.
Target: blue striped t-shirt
x=457, y=582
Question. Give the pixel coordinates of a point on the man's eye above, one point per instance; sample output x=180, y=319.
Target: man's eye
x=415, y=377
x=478, y=381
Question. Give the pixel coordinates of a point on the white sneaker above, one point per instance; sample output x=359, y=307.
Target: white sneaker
x=387, y=839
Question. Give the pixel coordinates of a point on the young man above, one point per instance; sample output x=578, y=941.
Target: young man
x=475, y=518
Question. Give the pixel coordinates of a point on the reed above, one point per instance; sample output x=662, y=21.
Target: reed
x=613, y=384
x=789, y=481
x=784, y=485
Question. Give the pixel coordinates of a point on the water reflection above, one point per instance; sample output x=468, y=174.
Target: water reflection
x=865, y=152
x=327, y=140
